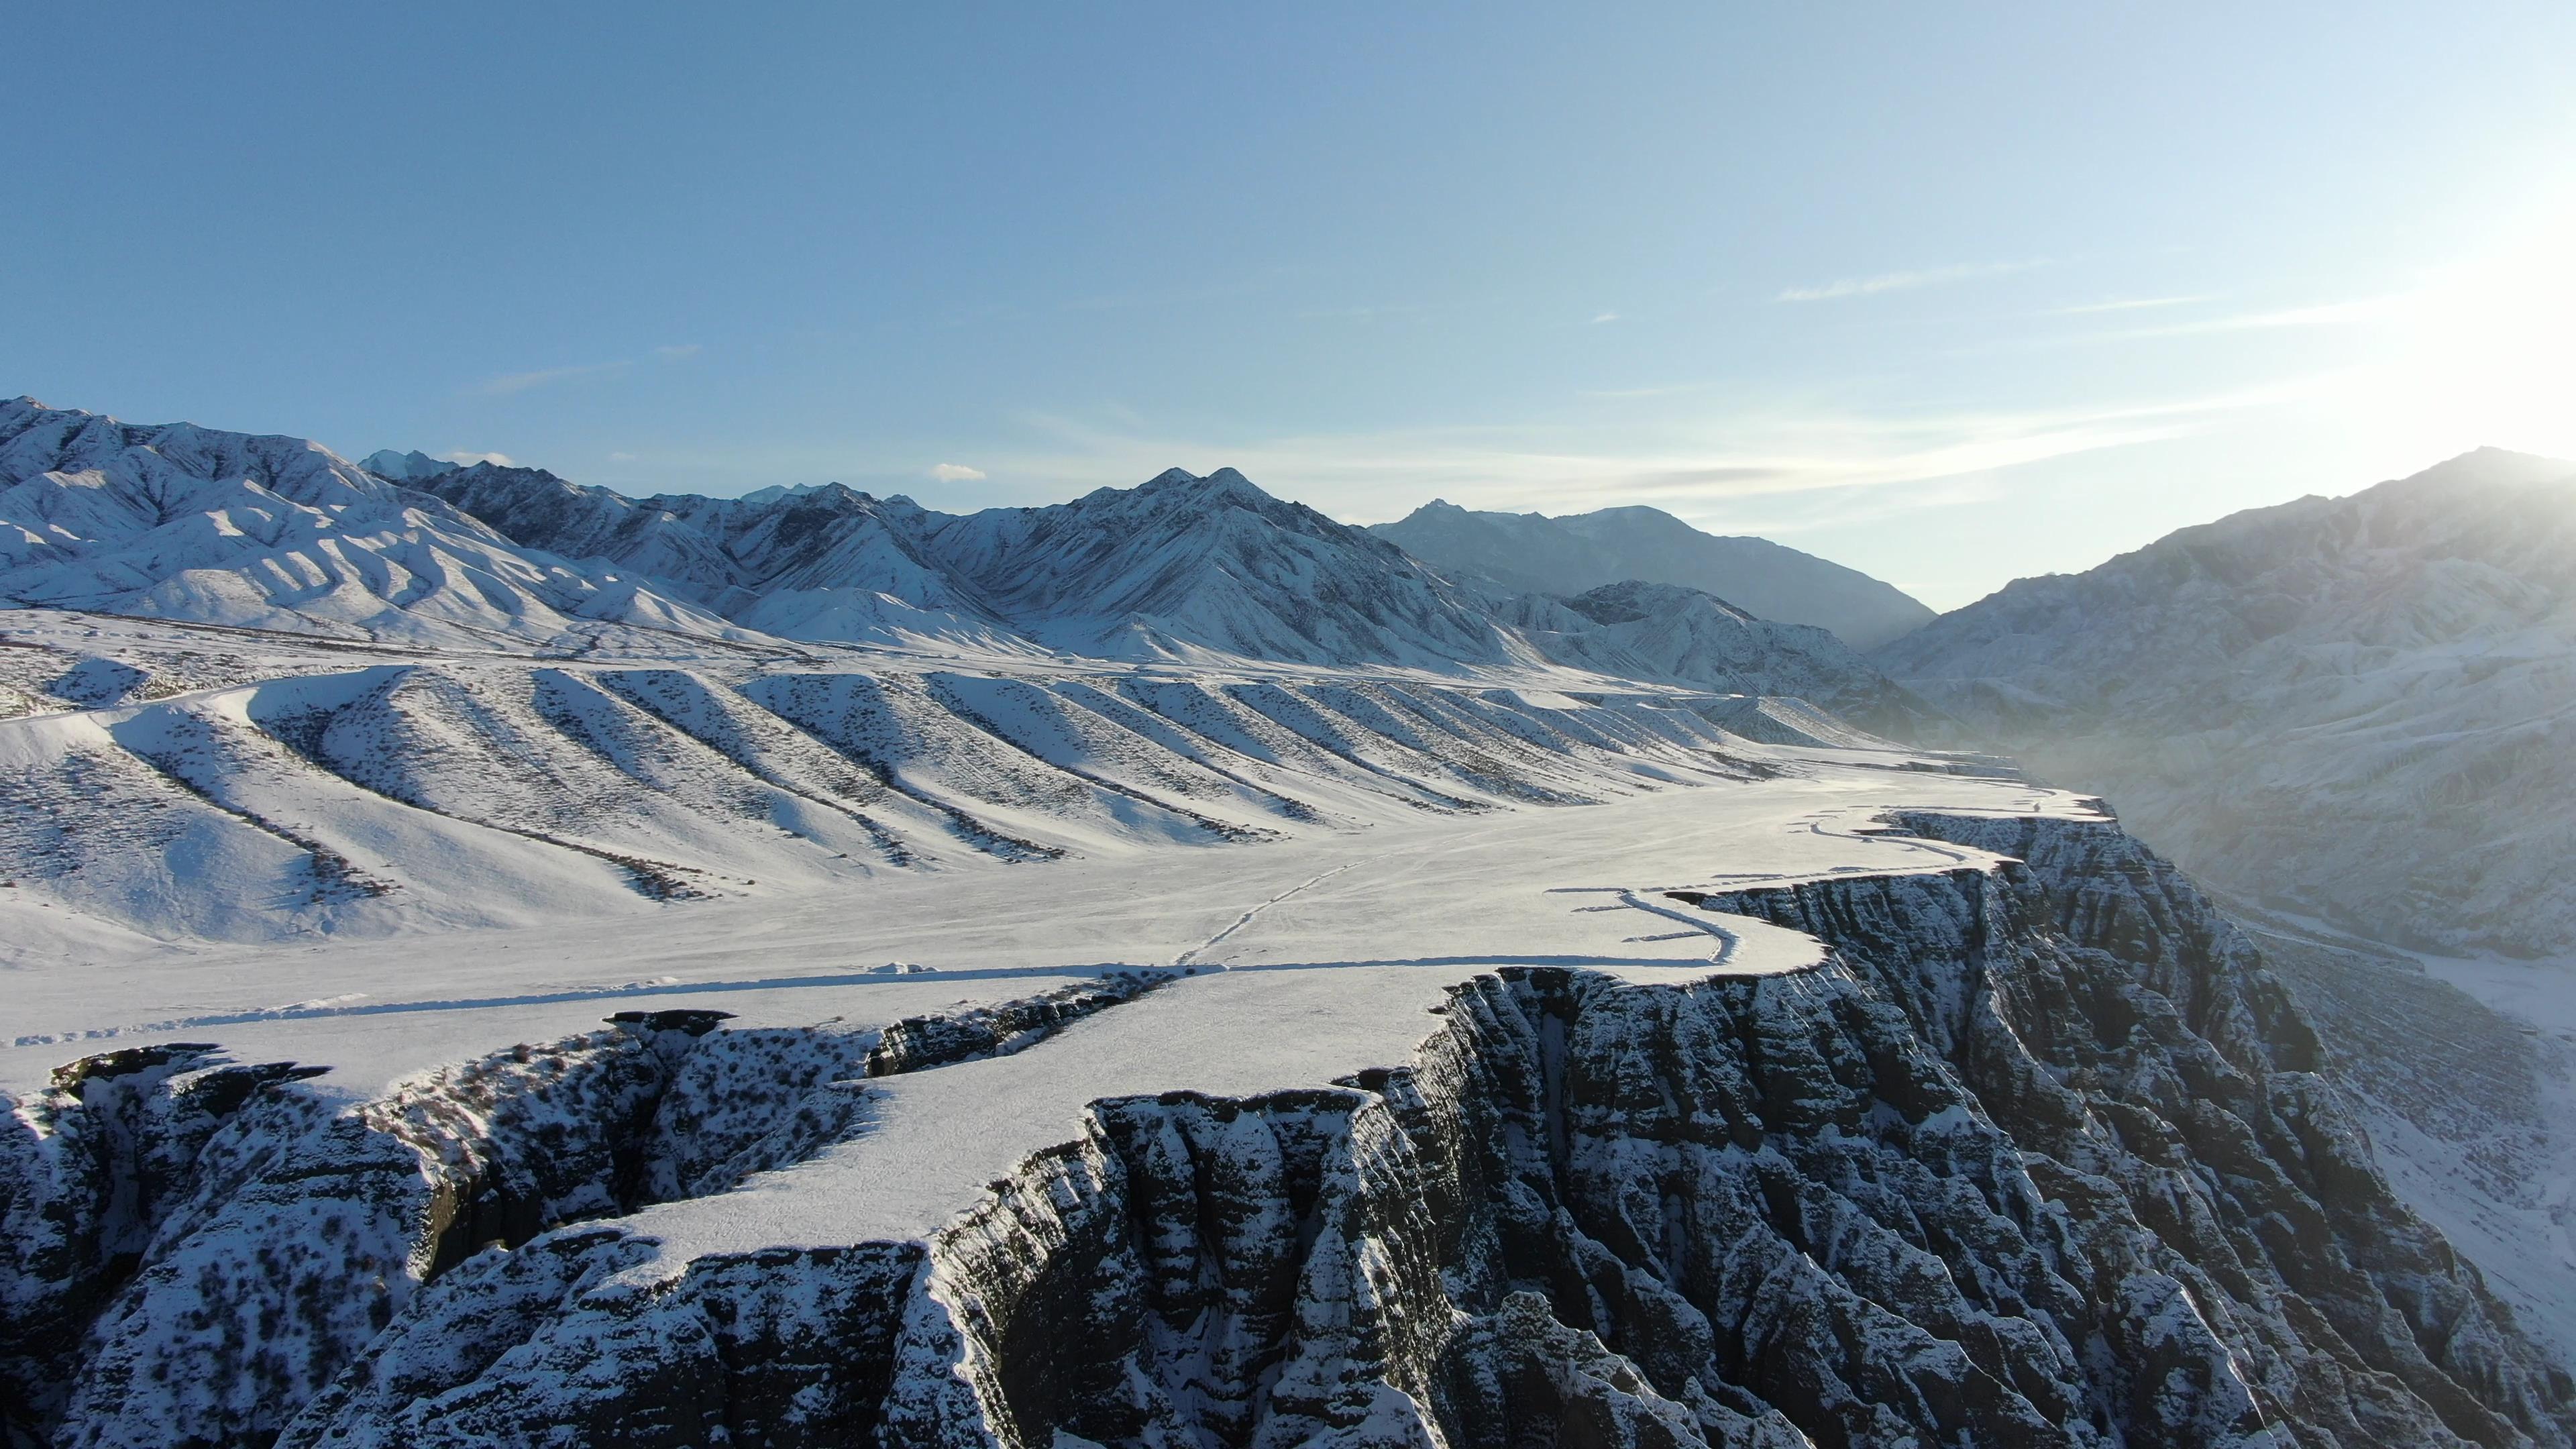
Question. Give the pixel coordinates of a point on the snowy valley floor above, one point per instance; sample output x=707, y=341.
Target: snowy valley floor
x=1350, y=938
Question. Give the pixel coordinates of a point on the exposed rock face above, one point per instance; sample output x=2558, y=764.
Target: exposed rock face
x=2473, y=1113
x=191, y=1254
x=2037, y=1157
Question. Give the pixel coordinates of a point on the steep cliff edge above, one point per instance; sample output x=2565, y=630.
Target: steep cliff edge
x=2037, y=1155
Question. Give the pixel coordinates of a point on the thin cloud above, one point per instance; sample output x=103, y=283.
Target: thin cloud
x=2330, y=314
x=956, y=473
x=1764, y=449
x=2354, y=312
x=1600, y=318
x=1362, y=314
x=512, y=382
x=467, y=459
x=1183, y=295
x=1669, y=389
x=1871, y=286
x=516, y=382
x=2128, y=304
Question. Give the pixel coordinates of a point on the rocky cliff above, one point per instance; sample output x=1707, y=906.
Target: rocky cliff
x=2037, y=1155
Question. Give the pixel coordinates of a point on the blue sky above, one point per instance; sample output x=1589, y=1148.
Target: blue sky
x=1951, y=294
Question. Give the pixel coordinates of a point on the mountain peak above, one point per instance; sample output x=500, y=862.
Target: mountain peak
x=777, y=491
x=405, y=467
x=1222, y=481
x=2491, y=466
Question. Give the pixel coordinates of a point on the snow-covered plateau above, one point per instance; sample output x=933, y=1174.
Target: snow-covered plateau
x=463, y=991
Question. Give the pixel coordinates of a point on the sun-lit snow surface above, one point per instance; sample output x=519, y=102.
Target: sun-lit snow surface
x=265, y=789
x=191, y=523
x=357, y=791
x=1409, y=902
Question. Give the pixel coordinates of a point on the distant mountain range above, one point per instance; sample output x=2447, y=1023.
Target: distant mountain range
x=184, y=522
x=2359, y=708
x=1528, y=552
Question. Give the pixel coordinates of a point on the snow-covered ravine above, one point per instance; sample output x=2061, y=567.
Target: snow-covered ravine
x=1782, y=1110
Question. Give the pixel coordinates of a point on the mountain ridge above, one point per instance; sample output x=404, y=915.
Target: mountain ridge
x=187, y=523
x=1572, y=553
x=2391, y=662
x=269, y=531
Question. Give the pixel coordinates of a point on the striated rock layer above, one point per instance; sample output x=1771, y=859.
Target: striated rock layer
x=2037, y=1156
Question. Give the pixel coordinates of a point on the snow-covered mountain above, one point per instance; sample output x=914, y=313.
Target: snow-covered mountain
x=191, y=523
x=1571, y=554
x=1214, y=563
x=199, y=525
x=2360, y=708
x=1664, y=631
x=1357, y=1016
x=1179, y=567
x=404, y=467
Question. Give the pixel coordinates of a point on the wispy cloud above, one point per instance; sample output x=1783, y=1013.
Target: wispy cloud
x=1601, y=317
x=1181, y=294
x=1842, y=287
x=1756, y=449
x=956, y=473
x=468, y=458
x=2329, y=314
x=510, y=382
x=1364, y=314
x=2128, y=304
x=2355, y=312
x=515, y=382
x=1620, y=394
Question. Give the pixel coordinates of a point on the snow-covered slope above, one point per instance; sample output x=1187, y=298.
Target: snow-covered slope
x=1577, y=552
x=315, y=790
x=2360, y=708
x=189, y=523
x=1186, y=562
